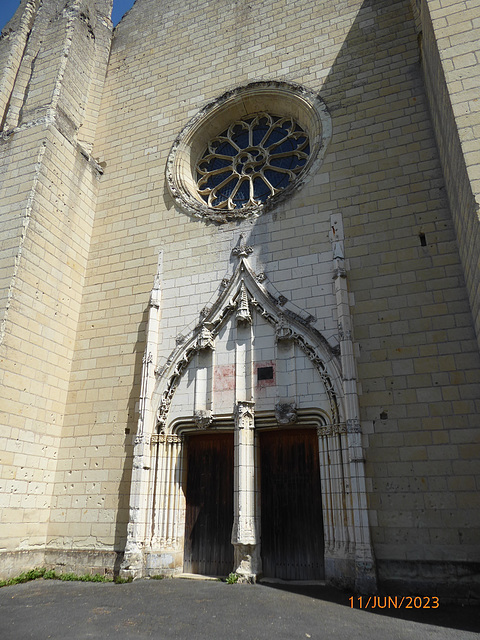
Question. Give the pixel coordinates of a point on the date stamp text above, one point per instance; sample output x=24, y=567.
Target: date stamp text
x=394, y=602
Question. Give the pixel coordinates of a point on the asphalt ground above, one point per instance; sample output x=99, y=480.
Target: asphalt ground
x=212, y=610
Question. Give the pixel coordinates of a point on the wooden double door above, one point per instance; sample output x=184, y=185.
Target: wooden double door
x=291, y=508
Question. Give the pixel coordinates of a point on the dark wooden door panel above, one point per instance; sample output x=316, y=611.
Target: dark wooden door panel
x=209, y=517
x=292, y=524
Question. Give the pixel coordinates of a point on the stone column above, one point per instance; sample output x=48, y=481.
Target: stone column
x=245, y=526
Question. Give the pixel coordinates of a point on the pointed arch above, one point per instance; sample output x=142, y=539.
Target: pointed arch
x=286, y=324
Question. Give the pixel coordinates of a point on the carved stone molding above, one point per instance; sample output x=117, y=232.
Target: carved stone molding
x=282, y=330
x=166, y=438
x=331, y=429
x=339, y=273
x=204, y=313
x=166, y=402
x=244, y=415
x=242, y=250
x=205, y=339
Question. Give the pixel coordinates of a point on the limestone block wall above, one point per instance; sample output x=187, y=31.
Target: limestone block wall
x=13, y=41
x=450, y=54
x=417, y=354
x=47, y=202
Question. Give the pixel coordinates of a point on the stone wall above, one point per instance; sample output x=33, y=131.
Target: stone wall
x=47, y=201
x=450, y=36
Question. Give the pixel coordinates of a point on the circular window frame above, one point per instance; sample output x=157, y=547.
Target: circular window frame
x=280, y=99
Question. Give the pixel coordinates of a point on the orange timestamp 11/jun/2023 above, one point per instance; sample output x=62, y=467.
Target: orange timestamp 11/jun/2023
x=394, y=602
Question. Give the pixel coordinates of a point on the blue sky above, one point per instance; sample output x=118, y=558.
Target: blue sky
x=8, y=8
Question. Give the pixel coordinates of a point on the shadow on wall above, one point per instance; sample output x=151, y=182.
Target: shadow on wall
x=130, y=432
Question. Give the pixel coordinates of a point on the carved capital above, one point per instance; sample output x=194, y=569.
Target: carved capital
x=354, y=426
x=166, y=438
x=331, y=429
x=324, y=430
x=143, y=438
x=147, y=358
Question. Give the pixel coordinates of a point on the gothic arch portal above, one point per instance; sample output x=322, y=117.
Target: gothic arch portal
x=245, y=369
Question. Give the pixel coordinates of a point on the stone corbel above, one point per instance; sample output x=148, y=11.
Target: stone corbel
x=203, y=418
x=286, y=413
x=283, y=331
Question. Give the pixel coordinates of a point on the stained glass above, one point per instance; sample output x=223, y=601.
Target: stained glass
x=251, y=161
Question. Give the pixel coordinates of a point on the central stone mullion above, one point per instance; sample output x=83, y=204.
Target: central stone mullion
x=245, y=525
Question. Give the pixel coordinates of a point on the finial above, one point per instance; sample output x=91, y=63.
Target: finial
x=242, y=250
x=243, y=309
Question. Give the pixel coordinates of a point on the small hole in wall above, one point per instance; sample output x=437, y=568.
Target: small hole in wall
x=265, y=373
x=383, y=415
x=423, y=240
x=127, y=431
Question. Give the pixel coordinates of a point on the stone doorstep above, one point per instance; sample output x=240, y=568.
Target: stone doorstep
x=196, y=576
x=302, y=583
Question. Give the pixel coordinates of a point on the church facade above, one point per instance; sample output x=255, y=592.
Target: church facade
x=239, y=289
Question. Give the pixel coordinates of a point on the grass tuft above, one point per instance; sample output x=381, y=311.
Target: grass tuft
x=35, y=574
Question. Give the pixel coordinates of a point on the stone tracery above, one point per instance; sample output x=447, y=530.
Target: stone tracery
x=252, y=160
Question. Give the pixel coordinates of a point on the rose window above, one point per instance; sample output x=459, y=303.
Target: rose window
x=251, y=161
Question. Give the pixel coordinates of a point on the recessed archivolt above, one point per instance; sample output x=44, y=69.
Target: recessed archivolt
x=231, y=299
x=311, y=417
